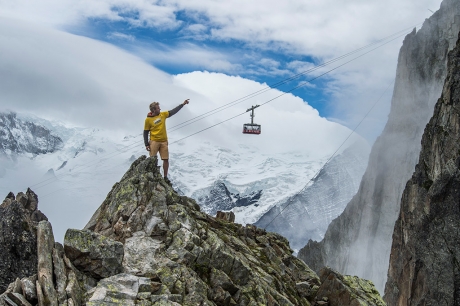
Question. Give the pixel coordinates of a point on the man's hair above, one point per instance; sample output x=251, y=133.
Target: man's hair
x=153, y=104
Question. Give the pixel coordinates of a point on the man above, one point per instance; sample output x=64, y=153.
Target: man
x=155, y=125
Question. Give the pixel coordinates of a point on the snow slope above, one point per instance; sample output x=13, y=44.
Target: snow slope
x=73, y=181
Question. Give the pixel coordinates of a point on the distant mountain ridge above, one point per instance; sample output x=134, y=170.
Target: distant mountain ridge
x=307, y=215
x=219, y=197
x=18, y=136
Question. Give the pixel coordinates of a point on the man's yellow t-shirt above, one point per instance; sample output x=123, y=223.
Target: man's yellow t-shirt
x=157, y=127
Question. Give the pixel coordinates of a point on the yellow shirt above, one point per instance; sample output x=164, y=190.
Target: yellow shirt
x=157, y=127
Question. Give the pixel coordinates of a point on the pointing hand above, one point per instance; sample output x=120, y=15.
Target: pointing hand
x=186, y=102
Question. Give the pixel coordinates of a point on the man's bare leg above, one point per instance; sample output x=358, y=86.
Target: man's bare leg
x=165, y=166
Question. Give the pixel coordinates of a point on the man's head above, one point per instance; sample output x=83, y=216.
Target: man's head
x=155, y=108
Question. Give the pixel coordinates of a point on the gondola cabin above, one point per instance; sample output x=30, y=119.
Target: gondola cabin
x=252, y=128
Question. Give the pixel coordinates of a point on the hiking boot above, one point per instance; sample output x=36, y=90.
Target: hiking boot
x=168, y=181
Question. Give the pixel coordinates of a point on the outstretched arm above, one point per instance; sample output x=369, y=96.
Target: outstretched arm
x=176, y=109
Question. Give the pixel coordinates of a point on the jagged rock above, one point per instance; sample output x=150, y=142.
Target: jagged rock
x=359, y=241
x=139, y=254
x=227, y=216
x=93, y=253
x=192, y=258
x=18, y=239
x=40, y=295
x=424, y=257
x=59, y=272
x=16, y=286
x=19, y=299
x=84, y=281
x=347, y=290
x=121, y=289
x=29, y=289
x=73, y=289
x=45, y=244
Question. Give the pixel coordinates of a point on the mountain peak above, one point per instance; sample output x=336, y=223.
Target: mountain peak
x=147, y=245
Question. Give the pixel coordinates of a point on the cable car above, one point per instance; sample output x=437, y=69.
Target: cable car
x=252, y=128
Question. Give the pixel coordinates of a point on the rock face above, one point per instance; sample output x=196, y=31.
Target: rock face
x=93, y=253
x=18, y=237
x=424, y=267
x=174, y=254
x=18, y=136
x=321, y=202
x=358, y=242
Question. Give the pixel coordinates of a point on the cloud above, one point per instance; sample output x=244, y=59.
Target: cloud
x=188, y=56
x=57, y=75
x=121, y=36
x=320, y=30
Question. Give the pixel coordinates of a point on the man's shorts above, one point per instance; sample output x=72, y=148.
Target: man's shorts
x=161, y=147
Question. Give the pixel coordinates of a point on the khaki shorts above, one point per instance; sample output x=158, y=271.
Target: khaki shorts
x=161, y=147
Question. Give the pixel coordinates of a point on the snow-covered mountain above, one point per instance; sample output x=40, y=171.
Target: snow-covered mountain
x=18, y=136
x=241, y=179
x=72, y=181
x=307, y=215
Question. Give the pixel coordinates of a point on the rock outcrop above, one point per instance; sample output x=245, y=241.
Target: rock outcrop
x=18, y=236
x=424, y=262
x=174, y=254
x=358, y=242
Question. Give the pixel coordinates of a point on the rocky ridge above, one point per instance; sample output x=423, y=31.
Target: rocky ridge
x=424, y=267
x=18, y=236
x=359, y=241
x=146, y=245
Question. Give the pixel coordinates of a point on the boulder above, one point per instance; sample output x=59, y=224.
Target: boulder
x=227, y=216
x=94, y=254
x=347, y=290
x=121, y=289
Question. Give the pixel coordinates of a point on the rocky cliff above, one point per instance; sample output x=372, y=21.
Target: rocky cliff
x=359, y=240
x=146, y=245
x=424, y=261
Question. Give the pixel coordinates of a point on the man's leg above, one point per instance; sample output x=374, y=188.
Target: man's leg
x=165, y=166
x=154, y=148
x=164, y=154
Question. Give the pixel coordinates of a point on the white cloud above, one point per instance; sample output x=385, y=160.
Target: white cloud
x=121, y=36
x=319, y=29
x=188, y=56
x=300, y=66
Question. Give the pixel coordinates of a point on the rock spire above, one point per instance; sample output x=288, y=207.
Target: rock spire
x=424, y=262
x=358, y=242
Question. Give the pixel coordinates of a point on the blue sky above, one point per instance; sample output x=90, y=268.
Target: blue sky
x=263, y=41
